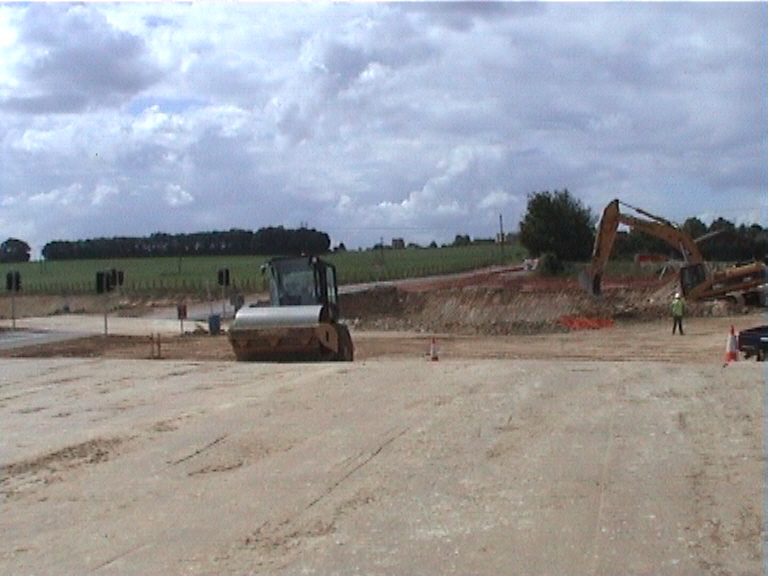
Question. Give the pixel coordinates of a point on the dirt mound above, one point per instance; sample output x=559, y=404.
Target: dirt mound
x=494, y=301
x=532, y=306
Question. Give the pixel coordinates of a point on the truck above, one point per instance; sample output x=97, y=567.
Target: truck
x=302, y=319
x=697, y=280
x=753, y=342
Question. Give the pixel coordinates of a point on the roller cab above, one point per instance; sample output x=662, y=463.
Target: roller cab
x=302, y=319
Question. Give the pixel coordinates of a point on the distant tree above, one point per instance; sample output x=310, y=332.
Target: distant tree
x=723, y=245
x=637, y=242
x=722, y=224
x=14, y=250
x=758, y=239
x=694, y=227
x=733, y=243
x=558, y=223
x=462, y=240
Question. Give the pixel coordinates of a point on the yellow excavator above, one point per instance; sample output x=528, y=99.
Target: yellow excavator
x=301, y=320
x=697, y=281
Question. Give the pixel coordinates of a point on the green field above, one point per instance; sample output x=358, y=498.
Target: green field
x=196, y=275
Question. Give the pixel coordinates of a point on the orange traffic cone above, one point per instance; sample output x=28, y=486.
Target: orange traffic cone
x=433, y=352
x=731, y=349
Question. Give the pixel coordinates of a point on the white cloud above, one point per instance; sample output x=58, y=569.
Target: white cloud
x=102, y=193
x=71, y=196
x=175, y=196
x=10, y=50
x=496, y=199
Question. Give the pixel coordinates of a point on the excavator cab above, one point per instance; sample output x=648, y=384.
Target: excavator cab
x=692, y=276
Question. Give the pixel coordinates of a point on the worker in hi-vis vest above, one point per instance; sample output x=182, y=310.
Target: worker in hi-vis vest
x=678, y=309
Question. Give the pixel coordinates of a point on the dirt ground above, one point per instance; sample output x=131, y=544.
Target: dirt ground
x=704, y=343
x=528, y=448
x=489, y=315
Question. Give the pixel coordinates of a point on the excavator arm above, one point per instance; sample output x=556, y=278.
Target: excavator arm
x=696, y=281
x=591, y=277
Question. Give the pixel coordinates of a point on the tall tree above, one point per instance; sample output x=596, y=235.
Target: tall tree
x=558, y=223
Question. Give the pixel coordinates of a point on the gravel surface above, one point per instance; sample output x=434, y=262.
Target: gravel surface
x=527, y=448
x=545, y=455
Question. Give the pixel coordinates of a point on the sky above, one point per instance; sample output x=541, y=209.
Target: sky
x=370, y=121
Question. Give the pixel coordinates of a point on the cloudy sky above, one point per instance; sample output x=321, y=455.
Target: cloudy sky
x=374, y=120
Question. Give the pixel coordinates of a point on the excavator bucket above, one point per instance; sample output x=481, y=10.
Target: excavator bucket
x=590, y=282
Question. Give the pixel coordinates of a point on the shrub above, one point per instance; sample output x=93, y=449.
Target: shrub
x=550, y=264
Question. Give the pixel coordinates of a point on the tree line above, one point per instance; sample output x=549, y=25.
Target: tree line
x=721, y=241
x=235, y=242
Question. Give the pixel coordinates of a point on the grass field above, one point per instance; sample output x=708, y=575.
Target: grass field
x=199, y=274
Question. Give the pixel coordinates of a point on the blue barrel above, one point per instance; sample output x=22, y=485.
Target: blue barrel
x=214, y=324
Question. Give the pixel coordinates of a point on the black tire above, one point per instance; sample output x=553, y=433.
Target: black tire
x=346, y=351
x=760, y=357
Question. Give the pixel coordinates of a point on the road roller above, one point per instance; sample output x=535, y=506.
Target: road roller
x=301, y=320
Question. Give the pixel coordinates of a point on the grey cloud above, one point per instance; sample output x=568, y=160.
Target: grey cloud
x=226, y=76
x=343, y=65
x=295, y=123
x=153, y=21
x=78, y=61
x=48, y=103
x=462, y=16
x=213, y=151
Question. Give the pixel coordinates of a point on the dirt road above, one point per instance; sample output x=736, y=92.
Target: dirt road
x=486, y=462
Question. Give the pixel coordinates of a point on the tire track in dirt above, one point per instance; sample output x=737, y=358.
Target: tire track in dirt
x=723, y=440
x=278, y=541
x=18, y=479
